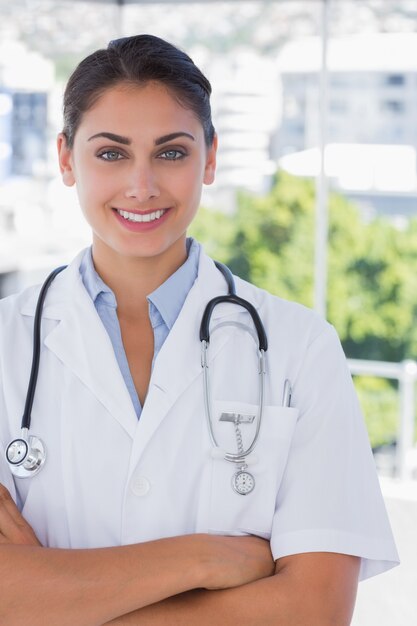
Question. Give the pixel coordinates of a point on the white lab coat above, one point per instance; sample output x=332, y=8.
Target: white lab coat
x=110, y=479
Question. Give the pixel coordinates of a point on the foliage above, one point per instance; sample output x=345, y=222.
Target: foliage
x=372, y=267
x=380, y=405
x=372, y=274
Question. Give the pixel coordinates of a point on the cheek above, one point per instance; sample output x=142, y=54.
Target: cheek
x=92, y=189
x=189, y=189
x=188, y=182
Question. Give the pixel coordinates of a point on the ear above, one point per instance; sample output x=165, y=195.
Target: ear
x=210, y=167
x=65, y=161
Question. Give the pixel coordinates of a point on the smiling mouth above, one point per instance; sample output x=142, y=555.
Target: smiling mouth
x=141, y=217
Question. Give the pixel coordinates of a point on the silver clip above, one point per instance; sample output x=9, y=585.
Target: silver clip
x=237, y=418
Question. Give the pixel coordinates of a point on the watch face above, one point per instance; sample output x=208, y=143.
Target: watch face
x=17, y=451
x=243, y=482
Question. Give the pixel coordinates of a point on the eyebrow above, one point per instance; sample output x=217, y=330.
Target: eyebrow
x=171, y=137
x=126, y=141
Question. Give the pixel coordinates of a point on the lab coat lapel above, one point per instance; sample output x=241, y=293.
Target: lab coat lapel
x=178, y=363
x=82, y=344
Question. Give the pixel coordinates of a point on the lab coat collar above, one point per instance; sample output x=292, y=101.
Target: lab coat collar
x=210, y=283
x=59, y=294
x=81, y=342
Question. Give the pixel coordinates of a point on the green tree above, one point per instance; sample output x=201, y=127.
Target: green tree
x=372, y=267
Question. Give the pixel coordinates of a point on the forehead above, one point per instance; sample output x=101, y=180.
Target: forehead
x=150, y=109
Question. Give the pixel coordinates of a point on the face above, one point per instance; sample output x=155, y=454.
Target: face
x=139, y=161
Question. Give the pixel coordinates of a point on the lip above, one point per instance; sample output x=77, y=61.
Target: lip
x=141, y=227
x=138, y=212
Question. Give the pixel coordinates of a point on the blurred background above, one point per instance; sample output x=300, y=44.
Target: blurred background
x=315, y=104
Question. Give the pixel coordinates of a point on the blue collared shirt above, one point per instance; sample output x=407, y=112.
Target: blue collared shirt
x=165, y=304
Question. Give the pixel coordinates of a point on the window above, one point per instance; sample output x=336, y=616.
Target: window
x=395, y=80
x=396, y=107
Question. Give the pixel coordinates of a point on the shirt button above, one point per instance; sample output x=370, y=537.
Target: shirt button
x=140, y=486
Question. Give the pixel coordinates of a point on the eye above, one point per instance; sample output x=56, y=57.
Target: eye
x=172, y=155
x=110, y=155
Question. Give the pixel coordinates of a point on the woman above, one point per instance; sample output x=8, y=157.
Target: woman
x=132, y=516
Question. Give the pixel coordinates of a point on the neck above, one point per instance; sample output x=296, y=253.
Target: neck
x=132, y=278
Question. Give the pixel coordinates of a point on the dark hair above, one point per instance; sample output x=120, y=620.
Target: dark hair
x=137, y=60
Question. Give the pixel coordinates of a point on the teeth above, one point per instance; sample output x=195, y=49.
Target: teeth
x=136, y=217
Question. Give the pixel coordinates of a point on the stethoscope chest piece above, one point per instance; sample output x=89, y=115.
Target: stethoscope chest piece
x=26, y=456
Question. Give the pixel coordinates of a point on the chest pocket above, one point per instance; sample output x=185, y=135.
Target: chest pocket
x=229, y=512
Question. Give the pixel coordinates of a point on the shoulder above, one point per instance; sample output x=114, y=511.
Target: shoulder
x=291, y=328
x=16, y=330
x=280, y=315
x=12, y=305
x=23, y=303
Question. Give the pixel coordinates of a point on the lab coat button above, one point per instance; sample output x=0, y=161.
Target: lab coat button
x=140, y=486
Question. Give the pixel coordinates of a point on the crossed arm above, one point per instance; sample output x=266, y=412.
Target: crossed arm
x=178, y=581
x=315, y=589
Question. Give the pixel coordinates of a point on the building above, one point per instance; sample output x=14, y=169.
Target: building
x=372, y=99
x=245, y=107
x=26, y=79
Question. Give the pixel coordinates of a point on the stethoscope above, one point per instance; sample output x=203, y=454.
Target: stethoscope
x=243, y=481
x=26, y=454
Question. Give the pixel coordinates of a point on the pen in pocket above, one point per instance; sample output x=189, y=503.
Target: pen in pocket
x=286, y=396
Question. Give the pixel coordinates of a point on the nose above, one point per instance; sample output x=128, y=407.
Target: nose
x=142, y=184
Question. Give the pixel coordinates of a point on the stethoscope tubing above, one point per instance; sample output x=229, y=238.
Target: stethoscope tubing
x=27, y=413
x=232, y=298
x=238, y=457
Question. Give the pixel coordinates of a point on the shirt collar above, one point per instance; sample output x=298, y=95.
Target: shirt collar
x=93, y=283
x=168, y=298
